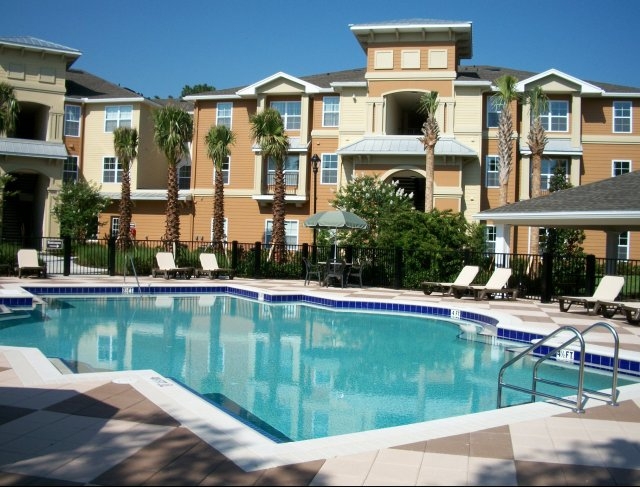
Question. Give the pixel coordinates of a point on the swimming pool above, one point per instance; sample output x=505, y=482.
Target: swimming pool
x=294, y=371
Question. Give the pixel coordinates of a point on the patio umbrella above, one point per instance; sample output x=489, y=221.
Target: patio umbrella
x=336, y=219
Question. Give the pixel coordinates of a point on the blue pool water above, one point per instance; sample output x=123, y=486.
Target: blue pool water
x=294, y=371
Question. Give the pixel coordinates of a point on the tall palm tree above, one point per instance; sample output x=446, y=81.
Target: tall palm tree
x=537, y=140
x=125, y=144
x=267, y=129
x=428, y=105
x=218, y=140
x=173, y=130
x=503, y=98
x=9, y=109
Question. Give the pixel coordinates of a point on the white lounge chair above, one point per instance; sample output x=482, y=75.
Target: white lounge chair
x=465, y=278
x=167, y=267
x=211, y=268
x=607, y=291
x=28, y=263
x=631, y=309
x=497, y=284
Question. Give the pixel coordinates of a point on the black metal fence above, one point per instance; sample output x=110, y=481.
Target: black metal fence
x=535, y=277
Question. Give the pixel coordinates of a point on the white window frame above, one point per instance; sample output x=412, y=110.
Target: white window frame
x=494, y=108
x=622, y=117
x=624, y=240
x=117, y=116
x=106, y=344
x=556, y=119
x=490, y=238
x=291, y=231
x=226, y=171
x=225, y=229
x=115, y=226
x=224, y=113
x=492, y=172
x=291, y=113
x=291, y=166
x=329, y=169
x=619, y=167
x=331, y=111
x=111, y=166
x=547, y=167
x=72, y=115
x=70, y=168
x=182, y=177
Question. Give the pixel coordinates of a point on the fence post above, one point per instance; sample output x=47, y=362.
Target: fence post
x=66, y=255
x=234, y=254
x=111, y=256
x=305, y=255
x=546, y=287
x=257, y=259
x=590, y=283
x=397, y=268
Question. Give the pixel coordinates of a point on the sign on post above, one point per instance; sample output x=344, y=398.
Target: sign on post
x=54, y=244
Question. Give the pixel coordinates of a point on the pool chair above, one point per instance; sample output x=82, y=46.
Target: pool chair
x=464, y=279
x=630, y=309
x=497, y=284
x=210, y=267
x=311, y=271
x=607, y=291
x=167, y=267
x=28, y=263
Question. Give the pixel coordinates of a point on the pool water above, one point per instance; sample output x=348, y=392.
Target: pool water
x=293, y=371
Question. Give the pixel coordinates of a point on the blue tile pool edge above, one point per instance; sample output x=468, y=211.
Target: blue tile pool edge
x=597, y=361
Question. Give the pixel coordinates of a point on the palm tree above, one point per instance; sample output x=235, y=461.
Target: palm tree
x=173, y=130
x=218, y=140
x=268, y=131
x=503, y=98
x=9, y=109
x=125, y=144
x=428, y=105
x=537, y=140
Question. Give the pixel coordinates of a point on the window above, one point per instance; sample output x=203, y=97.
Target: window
x=557, y=118
x=492, y=172
x=494, y=107
x=330, y=111
x=111, y=170
x=290, y=231
x=290, y=112
x=223, y=113
x=107, y=348
x=72, y=120
x=115, y=226
x=184, y=176
x=70, y=169
x=329, y=169
x=623, y=246
x=622, y=117
x=225, y=229
x=226, y=166
x=490, y=236
x=548, y=167
x=117, y=116
x=291, y=173
x=621, y=167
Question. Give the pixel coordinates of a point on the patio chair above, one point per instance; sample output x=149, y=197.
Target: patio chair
x=355, y=271
x=311, y=270
x=465, y=278
x=607, y=291
x=210, y=267
x=167, y=267
x=335, y=272
x=28, y=263
x=497, y=284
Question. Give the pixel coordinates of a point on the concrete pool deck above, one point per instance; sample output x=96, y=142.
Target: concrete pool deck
x=137, y=428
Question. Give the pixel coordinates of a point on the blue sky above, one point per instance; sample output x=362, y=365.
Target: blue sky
x=157, y=47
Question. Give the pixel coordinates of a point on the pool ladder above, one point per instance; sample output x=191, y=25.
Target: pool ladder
x=557, y=351
x=133, y=266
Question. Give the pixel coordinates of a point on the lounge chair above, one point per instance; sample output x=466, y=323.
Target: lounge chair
x=631, y=309
x=465, y=278
x=167, y=267
x=211, y=268
x=497, y=284
x=607, y=291
x=28, y=263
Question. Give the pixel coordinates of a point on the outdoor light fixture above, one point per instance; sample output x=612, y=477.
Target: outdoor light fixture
x=314, y=167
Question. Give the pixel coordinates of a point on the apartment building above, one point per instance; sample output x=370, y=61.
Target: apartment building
x=365, y=121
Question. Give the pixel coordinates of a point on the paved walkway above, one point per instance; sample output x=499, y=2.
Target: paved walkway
x=137, y=428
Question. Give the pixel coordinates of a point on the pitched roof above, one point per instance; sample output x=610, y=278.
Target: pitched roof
x=405, y=145
x=81, y=84
x=612, y=204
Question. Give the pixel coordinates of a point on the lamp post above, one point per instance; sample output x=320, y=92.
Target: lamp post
x=314, y=167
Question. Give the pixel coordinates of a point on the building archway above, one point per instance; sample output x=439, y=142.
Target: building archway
x=23, y=208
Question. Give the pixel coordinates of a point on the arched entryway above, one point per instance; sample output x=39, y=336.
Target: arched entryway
x=410, y=182
x=23, y=207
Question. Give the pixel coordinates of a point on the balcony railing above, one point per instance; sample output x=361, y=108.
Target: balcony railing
x=290, y=181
